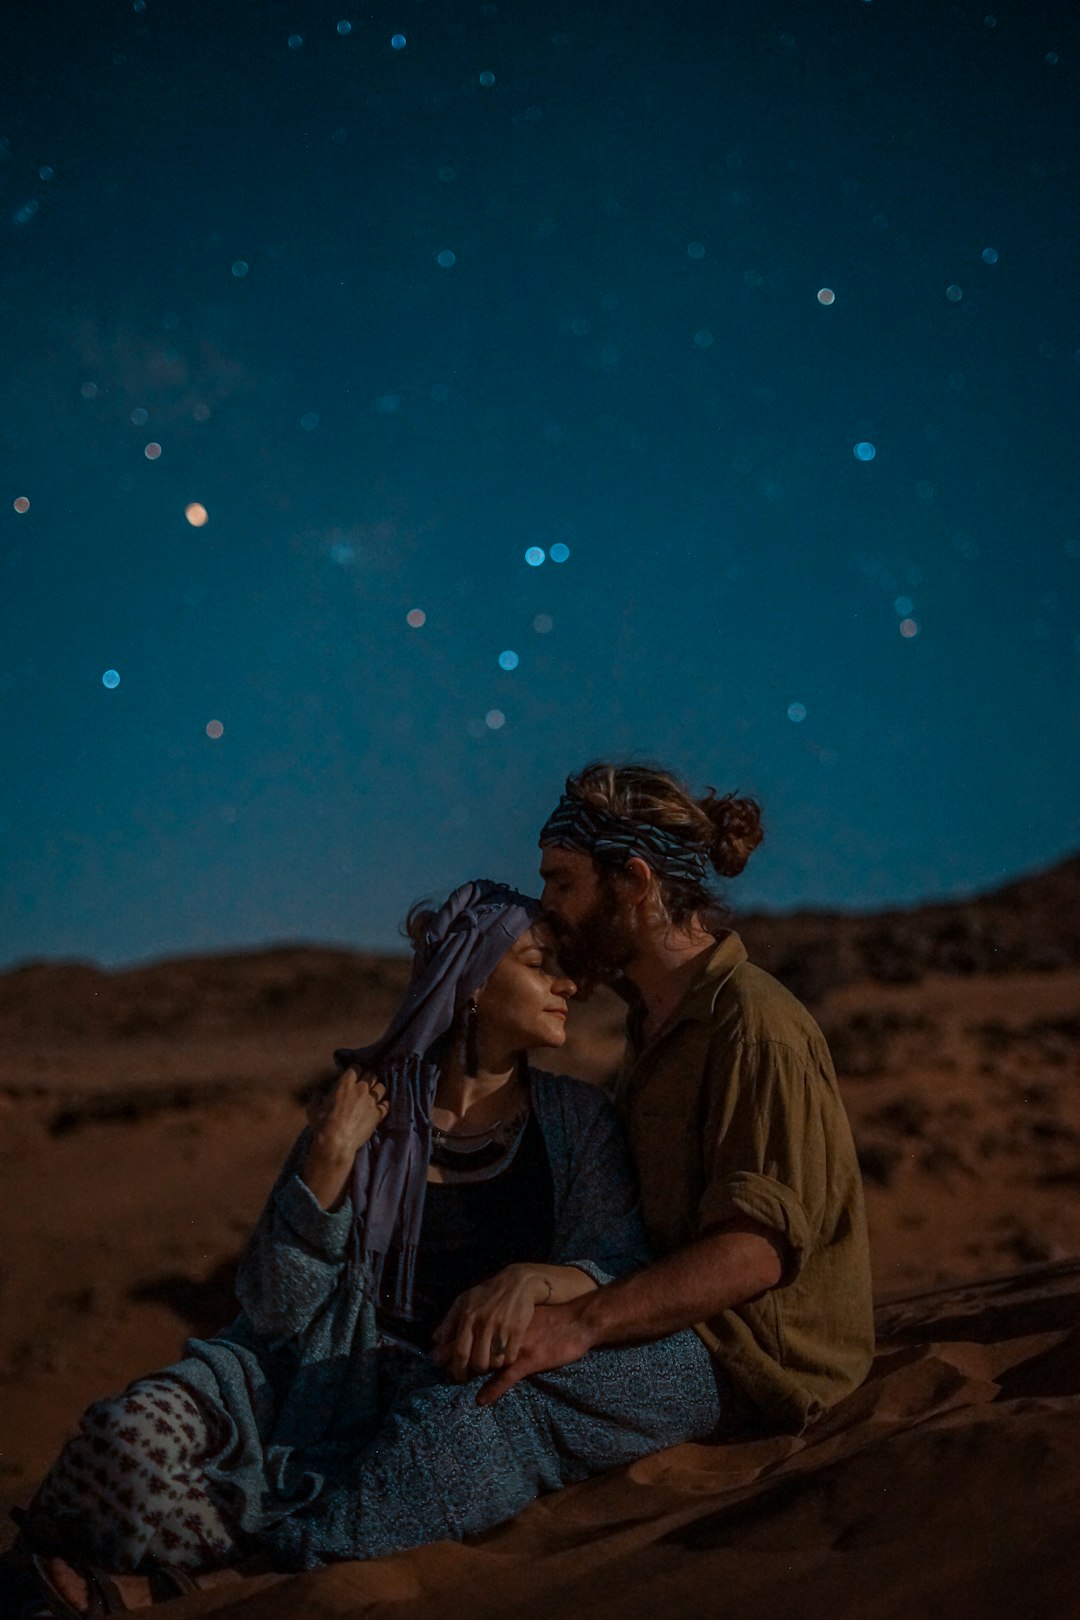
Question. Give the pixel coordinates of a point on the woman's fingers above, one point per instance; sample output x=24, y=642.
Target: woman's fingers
x=461, y=1359
x=513, y=1339
x=484, y=1336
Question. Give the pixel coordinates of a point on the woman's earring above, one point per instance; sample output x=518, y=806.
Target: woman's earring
x=472, y=1055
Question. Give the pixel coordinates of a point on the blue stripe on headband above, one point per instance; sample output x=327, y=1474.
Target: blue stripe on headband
x=576, y=825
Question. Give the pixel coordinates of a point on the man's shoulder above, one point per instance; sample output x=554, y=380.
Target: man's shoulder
x=753, y=1008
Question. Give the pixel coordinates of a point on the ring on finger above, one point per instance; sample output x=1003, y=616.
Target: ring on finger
x=498, y=1348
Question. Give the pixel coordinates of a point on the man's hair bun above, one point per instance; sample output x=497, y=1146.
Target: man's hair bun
x=736, y=830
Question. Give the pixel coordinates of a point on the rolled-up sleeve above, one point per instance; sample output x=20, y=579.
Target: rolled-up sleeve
x=766, y=1150
x=327, y=1231
x=295, y=1255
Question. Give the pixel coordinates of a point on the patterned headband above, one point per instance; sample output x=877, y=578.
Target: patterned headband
x=576, y=825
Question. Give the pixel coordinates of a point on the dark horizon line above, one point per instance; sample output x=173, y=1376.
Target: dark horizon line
x=271, y=946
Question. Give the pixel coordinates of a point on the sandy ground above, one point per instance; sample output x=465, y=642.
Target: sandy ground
x=141, y=1125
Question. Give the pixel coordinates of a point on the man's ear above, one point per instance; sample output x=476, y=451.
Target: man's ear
x=637, y=876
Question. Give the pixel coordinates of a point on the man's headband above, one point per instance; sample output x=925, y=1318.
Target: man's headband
x=576, y=825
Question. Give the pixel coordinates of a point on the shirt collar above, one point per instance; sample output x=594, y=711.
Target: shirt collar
x=700, y=997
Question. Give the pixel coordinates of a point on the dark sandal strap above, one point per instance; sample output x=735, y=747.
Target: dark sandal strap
x=167, y=1581
x=103, y=1596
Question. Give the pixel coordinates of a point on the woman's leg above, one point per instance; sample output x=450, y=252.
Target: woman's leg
x=129, y=1488
x=442, y=1466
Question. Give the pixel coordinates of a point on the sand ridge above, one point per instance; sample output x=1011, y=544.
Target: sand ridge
x=144, y=1114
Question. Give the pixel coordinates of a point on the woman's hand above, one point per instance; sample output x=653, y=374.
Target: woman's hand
x=347, y=1116
x=484, y=1327
x=342, y=1120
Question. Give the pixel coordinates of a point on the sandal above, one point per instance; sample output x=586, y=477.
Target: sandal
x=102, y=1593
x=167, y=1581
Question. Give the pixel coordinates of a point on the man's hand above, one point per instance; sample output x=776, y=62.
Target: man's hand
x=556, y=1336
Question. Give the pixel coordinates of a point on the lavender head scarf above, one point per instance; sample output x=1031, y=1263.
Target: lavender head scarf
x=463, y=944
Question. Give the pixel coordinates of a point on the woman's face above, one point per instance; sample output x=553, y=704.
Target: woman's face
x=524, y=1002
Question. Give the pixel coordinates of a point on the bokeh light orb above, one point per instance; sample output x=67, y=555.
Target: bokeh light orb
x=398, y=41
x=487, y=80
x=446, y=259
x=990, y=255
x=416, y=618
x=196, y=514
x=152, y=451
x=796, y=712
x=559, y=553
x=110, y=679
x=865, y=451
x=903, y=606
x=214, y=729
x=954, y=293
x=908, y=629
x=826, y=296
x=240, y=268
x=695, y=250
x=534, y=556
x=21, y=503
x=495, y=719
x=508, y=660
x=344, y=27
x=295, y=41
x=139, y=416
x=543, y=624
x=89, y=390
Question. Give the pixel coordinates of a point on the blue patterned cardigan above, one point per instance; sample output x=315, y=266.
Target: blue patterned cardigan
x=294, y=1379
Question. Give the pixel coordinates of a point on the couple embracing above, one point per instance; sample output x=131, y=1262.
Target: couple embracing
x=473, y=1281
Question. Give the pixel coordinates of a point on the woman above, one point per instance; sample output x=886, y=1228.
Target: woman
x=442, y=1193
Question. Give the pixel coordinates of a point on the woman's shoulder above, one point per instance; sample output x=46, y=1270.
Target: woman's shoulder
x=579, y=1102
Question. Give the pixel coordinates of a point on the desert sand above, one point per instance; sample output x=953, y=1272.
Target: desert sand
x=144, y=1114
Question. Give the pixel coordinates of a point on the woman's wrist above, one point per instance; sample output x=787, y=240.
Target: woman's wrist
x=331, y=1150
x=543, y=1289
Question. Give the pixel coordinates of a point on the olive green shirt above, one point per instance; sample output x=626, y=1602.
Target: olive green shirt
x=733, y=1112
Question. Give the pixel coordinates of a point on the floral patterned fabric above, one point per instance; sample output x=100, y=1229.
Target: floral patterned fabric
x=129, y=1487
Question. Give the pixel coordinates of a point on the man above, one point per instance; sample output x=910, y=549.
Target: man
x=749, y=1181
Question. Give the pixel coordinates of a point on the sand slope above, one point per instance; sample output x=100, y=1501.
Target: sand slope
x=945, y=1487
x=144, y=1114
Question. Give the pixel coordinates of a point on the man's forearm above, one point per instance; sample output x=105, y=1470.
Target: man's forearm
x=726, y=1268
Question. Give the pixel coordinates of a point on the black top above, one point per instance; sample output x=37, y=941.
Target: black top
x=472, y=1229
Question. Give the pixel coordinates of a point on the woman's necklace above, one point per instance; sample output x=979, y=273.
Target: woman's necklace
x=478, y=1155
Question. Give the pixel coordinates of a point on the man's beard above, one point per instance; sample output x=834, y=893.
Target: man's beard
x=598, y=949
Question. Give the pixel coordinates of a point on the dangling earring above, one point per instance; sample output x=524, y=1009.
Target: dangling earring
x=472, y=1055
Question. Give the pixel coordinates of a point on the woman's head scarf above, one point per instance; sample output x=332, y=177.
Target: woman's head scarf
x=460, y=948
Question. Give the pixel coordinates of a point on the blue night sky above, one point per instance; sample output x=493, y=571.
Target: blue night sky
x=402, y=293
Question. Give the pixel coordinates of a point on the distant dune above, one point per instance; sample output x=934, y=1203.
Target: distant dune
x=145, y=1112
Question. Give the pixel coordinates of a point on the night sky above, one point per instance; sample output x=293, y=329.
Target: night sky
x=716, y=367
